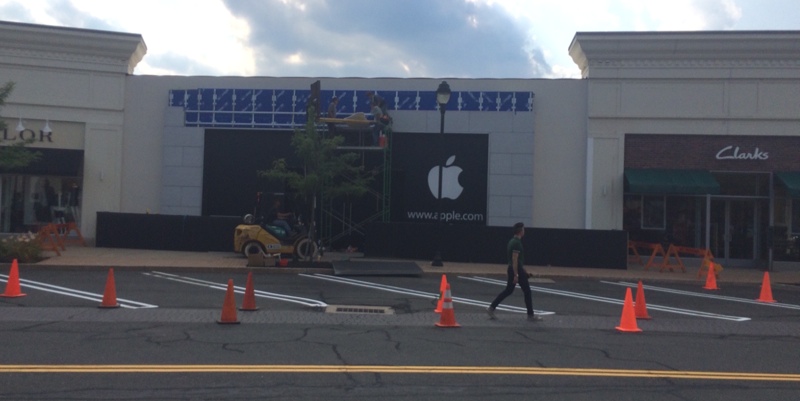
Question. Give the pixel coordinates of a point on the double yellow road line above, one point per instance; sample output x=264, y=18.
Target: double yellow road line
x=448, y=370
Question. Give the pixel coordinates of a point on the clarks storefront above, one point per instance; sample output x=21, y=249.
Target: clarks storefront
x=731, y=195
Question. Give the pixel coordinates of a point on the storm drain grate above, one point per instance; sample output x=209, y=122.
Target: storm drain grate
x=362, y=310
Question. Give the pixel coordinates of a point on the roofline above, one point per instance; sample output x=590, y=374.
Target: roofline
x=115, y=50
x=67, y=29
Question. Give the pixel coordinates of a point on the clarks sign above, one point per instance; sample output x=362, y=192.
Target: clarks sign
x=734, y=153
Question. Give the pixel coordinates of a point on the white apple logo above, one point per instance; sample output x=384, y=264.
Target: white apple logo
x=451, y=189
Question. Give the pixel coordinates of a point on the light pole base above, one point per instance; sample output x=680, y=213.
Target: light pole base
x=437, y=259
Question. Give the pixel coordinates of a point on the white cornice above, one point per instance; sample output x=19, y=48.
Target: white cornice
x=80, y=46
x=708, y=50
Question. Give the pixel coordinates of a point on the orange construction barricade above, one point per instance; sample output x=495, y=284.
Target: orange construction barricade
x=48, y=238
x=657, y=250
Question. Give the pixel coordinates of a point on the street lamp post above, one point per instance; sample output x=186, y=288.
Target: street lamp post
x=442, y=98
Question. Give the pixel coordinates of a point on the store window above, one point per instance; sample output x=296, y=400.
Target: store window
x=796, y=216
x=678, y=220
x=653, y=212
x=28, y=202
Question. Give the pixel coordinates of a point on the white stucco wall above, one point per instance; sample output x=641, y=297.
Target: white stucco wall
x=560, y=154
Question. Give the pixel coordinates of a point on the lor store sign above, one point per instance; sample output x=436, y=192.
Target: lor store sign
x=418, y=163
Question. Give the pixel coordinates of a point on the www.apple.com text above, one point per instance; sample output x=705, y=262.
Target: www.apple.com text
x=445, y=216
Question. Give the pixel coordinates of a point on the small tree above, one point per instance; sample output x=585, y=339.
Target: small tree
x=325, y=169
x=14, y=156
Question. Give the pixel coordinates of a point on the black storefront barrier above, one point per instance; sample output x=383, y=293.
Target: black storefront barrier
x=166, y=232
x=458, y=243
x=416, y=241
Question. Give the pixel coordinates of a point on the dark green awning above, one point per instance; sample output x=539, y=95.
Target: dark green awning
x=792, y=182
x=665, y=181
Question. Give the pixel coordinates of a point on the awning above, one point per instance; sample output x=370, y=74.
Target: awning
x=665, y=181
x=792, y=182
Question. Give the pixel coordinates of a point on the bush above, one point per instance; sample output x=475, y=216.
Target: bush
x=24, y=248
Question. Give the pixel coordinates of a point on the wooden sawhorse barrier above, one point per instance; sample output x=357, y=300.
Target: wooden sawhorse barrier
x=634, y=258
x=49, y=239
x=657, y=250
x=54, y=237
x=674, y=251
x=708, y=260
x=64, y=231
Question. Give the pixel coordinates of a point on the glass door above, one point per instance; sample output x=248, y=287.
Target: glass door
x=737, y=230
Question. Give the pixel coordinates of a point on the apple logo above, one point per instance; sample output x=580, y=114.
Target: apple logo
x=451, y=189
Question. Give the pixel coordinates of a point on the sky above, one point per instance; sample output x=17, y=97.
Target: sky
x=384, y=38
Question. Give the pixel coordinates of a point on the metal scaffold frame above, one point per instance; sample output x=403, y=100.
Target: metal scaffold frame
x=337, y=219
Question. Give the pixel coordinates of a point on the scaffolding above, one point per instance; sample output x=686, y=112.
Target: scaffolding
x=346, y=219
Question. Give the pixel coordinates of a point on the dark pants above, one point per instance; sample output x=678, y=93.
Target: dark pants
x=523, y=283
x=376, y=133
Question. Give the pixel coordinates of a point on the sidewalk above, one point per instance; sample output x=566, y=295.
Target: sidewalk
x=91, y=257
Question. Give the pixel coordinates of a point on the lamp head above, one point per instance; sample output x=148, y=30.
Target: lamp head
x=443, y=93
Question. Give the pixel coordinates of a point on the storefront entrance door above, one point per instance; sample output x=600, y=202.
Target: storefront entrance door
x=737, y=227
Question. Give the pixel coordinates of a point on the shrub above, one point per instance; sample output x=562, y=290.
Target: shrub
x=23, y=247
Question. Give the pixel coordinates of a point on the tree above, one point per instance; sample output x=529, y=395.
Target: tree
x=324, y=169
x=16, y=155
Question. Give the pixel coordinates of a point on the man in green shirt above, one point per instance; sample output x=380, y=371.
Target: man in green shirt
x=516, y=274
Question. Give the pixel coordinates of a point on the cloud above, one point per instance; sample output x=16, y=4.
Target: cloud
x=718, y=14
x=410, y=38
x=66, y=14
x=15, y=12
x=689, y=15
x=170, y=63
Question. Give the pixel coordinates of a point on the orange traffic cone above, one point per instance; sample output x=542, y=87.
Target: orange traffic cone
x=13, y=289
x=641, y=304
x=711, y=279
x=448, y=318
x=110, y=294
x=249, y=302
x=627, y=323
x=766, y=290
x=442, y=288
x=229, y=307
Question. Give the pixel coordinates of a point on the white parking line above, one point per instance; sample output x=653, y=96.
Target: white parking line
x=702, y=295
x=416, y=293
x=239, y=290
x=587, y=297
x=70, y=292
